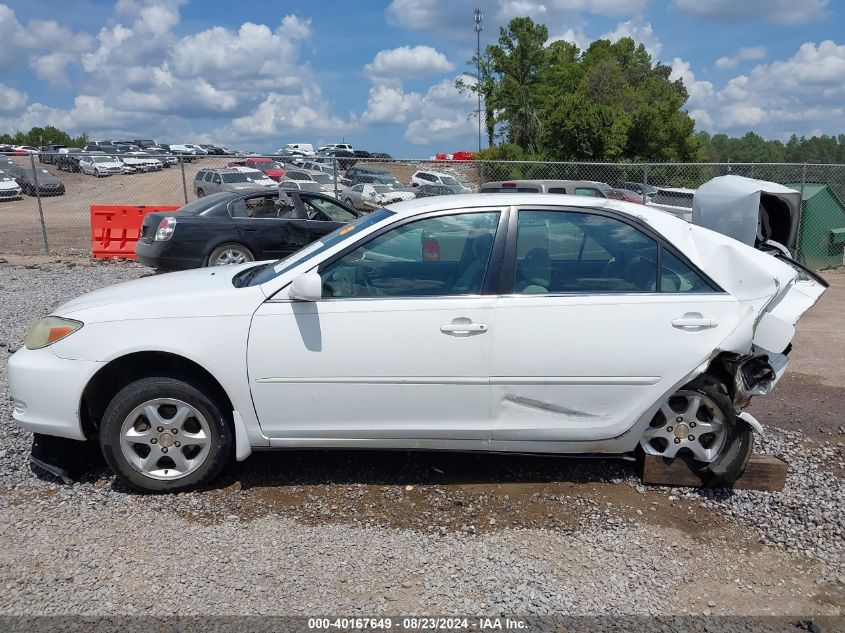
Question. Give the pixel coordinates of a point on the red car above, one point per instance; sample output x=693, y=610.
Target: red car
x=268, y=166
x=624, y=194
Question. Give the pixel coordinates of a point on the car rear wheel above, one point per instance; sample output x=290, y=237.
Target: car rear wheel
x=230, y=253
x=162, y=434
x=699, y=421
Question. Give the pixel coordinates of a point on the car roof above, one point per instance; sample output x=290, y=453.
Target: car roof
x=546, y=182
x=676, y=190
x=486, y=200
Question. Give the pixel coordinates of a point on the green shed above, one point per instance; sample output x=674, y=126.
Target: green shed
x=821, y=238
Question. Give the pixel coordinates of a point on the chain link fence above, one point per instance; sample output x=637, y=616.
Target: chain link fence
x=52, y=219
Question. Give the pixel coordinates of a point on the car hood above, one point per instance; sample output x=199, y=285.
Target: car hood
x=110, y=164
x=9, y=184
x=203, y=292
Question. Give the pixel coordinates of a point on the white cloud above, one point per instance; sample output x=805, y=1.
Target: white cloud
x=454, y=18
x=11, y=100
x=49, y=46
x=443, y=117
x=806, y=88
x=641, y=32
x=700, y=92
x=751, y=53
x=745, y=53
x=408, y=62
x=776, y=11
x=388, y=104
x=577, y=37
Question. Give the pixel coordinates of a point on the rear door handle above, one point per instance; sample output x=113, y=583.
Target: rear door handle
x=696, y=323
x=463, y=328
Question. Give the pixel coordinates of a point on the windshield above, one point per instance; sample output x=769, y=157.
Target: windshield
x=310, y=185
x=382, y=188
x=235, y=178
x=280, y=267
x=448, y=180
x=267, y=164
x=102, y=159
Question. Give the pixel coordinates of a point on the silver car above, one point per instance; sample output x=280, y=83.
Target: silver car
x=209, y=181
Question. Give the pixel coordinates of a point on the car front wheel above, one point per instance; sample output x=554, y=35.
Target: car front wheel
x=200, y=193
x=164, y=435
x=699, y=421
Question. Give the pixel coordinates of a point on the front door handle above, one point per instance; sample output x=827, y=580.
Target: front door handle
x=694, y=321
x=463, y=327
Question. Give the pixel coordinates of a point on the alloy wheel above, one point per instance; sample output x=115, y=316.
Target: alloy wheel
x=230, y=256
x=688, y=421
x=165, y=438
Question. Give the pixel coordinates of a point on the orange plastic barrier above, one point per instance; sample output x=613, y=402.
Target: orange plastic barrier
x=115, y=228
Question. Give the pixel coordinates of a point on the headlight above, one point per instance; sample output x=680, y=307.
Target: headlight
x=165, y=229
x=49, y=330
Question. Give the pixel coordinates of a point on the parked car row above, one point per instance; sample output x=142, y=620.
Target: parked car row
x=16, y=180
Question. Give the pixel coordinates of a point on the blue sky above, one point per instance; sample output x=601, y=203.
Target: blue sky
x=380, y=73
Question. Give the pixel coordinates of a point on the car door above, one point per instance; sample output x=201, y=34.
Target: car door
x=270, y=226
x=399, y=346
x=587, y=338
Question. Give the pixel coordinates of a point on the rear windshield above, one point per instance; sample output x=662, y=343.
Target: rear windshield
x=273, y=270
x=201, y=205
x=236, y=177
x=673, y=198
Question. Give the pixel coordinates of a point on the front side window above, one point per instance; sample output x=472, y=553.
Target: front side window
x=439, y=256
x=322, y=209
x=563, y=252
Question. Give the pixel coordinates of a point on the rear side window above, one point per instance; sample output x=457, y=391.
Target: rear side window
x=676, y=276
x=588, y=191
x=570, y=252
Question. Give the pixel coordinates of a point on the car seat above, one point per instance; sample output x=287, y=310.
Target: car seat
x=535, y=271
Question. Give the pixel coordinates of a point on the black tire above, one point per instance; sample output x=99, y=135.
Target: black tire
x=200, y=193
x=144, y=390
x=738, y=443
x=229, y=246
x=348, y=202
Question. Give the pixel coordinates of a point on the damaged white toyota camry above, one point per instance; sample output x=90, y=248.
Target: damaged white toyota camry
x=514, y=322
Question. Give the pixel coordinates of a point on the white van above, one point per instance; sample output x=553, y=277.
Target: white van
x=306, y=149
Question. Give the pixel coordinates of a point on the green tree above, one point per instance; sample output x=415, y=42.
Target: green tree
x=517, y=62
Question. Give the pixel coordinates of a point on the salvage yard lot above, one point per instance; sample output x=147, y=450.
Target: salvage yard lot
x=363, y=533
x=67, y=217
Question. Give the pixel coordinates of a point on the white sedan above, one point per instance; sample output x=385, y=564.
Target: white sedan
x=100, y=165
x=368, y=196
x=516, y=322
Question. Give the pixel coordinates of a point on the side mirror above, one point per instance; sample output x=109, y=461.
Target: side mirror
x=307, y=287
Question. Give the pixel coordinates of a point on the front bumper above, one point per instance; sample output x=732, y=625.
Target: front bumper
x=47, y=391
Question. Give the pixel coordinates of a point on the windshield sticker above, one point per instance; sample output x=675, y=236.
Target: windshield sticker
x=347, y=229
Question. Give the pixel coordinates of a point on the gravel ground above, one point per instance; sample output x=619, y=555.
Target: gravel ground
x=357, y=533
